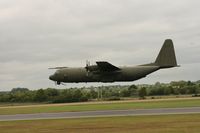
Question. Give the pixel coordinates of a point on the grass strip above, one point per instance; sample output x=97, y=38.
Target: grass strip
x=138, y=124
x=105, y=106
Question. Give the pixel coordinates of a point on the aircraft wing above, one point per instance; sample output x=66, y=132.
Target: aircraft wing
x=106, y=66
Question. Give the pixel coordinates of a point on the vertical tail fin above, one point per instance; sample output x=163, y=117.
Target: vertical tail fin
x=166, y=57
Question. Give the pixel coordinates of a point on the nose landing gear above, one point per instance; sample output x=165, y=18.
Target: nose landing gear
x=57, y=82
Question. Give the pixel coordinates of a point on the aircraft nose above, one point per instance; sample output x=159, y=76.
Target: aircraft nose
x=51, y=77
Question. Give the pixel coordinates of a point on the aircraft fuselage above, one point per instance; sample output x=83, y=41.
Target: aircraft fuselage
x=75, y=75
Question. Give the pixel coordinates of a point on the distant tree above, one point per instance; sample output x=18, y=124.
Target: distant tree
x=93, y=94
x=142, y=92
x=50, y=92
x=157, y=85
x=125, y=93
x=132, y=90
x=14, y=90
x=183, y=90
x=167, y=90
x=192, y=89
x=76, y=95
x=178, y=84
x=4, y=97
x=40, y=96
x=189, y=83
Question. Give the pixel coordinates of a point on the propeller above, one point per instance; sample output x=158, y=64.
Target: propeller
x=87, y=67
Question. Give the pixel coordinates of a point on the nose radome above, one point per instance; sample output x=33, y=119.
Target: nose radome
x=51, y=77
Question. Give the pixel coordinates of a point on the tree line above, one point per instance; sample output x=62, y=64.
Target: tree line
x=52, y=95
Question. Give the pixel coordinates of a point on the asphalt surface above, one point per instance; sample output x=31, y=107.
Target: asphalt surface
x=104, y=113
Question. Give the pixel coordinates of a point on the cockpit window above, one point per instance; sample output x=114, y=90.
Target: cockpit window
x=57, y=72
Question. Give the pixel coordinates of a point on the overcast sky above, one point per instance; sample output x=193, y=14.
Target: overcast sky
x=36, y=35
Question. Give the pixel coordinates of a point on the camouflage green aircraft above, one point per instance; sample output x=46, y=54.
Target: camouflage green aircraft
x=105, y=72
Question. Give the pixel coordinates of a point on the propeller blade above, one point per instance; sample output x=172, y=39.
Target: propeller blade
x=87, y=67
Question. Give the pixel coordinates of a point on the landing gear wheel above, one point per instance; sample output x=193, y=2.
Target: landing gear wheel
x=58, y=83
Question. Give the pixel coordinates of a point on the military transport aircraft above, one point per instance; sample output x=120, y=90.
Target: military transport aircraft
x=106, y=72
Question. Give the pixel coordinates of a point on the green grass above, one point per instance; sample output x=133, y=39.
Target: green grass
x=105, y=106
x=138, y=124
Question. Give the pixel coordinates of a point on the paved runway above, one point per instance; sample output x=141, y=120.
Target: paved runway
x=104, y=113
